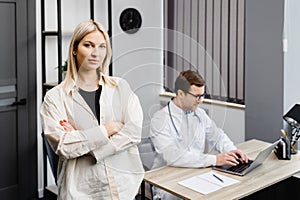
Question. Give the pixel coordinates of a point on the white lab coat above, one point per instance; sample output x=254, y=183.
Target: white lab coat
x=187, y=147
x=91, y=165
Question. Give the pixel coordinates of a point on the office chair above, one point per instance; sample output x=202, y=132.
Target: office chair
x=53, y=157
x=147, y=154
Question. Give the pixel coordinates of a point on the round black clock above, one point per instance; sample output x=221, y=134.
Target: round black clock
x=130, y=20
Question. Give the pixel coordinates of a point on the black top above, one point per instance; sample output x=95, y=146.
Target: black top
x=92, y=99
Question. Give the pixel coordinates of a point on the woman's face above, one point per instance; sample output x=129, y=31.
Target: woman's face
x=91, y=51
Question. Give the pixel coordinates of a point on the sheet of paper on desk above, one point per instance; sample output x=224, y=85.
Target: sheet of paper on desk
x=207, y=182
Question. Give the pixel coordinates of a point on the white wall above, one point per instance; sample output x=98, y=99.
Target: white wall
x=138, y=57
x=291, y=56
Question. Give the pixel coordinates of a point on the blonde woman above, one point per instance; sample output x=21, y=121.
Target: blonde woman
x=93, y=122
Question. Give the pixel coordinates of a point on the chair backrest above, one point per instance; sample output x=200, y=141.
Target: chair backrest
x=53, y=157
x=147, y=153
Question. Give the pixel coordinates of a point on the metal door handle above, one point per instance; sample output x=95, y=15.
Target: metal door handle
x=19, y=103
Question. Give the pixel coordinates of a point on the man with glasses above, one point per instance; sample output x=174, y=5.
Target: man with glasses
x=181, y=130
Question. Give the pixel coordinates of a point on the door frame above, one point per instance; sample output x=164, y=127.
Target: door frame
x=26, y=64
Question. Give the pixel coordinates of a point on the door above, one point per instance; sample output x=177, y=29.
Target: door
x=17, y=154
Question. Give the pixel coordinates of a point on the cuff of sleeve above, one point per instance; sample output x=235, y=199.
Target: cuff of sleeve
x=95, y=137
x=105, y=151
x=231, y=149
x=211, y=160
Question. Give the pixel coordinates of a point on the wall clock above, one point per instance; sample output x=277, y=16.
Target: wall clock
x=130, y=20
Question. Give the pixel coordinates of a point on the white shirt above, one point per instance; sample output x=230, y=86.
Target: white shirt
x=186, y=148
x=91, y=165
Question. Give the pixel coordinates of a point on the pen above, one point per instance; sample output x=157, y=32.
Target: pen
x=283, y=133
x=293, y=147
x=218, y=178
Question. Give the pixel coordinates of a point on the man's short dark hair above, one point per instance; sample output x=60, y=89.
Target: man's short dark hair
x=188, y=78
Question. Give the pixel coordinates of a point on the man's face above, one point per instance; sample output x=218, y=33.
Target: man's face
x=193, y=98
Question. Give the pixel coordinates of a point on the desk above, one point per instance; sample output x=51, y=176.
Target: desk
x=269, y=173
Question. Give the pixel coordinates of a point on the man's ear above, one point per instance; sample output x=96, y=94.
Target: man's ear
x=180, y=93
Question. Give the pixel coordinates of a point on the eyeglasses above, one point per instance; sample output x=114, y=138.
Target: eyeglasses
x=198, y=97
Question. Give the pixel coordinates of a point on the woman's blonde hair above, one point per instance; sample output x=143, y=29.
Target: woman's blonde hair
x=79, y=33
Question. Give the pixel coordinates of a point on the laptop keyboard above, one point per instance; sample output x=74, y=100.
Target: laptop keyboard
x=240, y=167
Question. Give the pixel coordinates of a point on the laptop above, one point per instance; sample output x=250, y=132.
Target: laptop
x=244, y=168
